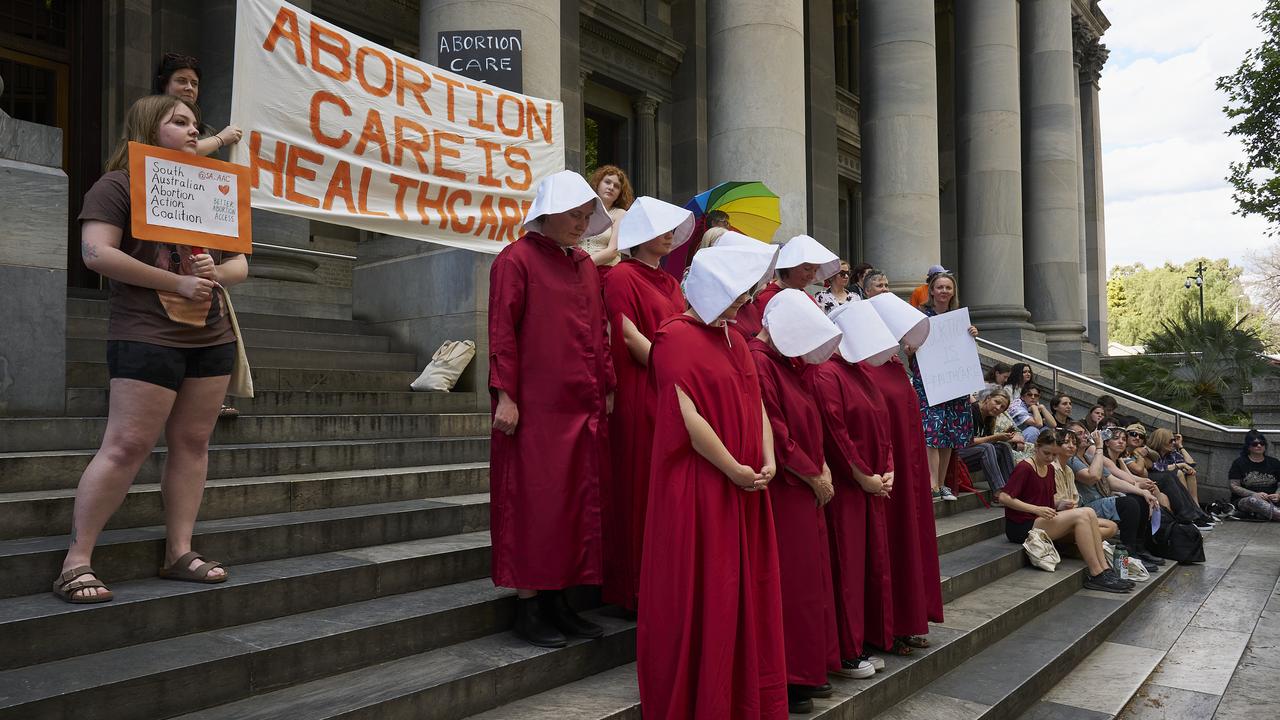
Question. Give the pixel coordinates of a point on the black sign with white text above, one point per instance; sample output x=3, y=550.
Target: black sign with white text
x=490, y=56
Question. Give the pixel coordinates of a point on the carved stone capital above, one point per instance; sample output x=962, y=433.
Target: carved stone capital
x=1094, y=57
x=645, y=106
x=1081, y=37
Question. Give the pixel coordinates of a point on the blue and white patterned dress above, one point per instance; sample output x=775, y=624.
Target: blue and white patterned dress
x=948, y=424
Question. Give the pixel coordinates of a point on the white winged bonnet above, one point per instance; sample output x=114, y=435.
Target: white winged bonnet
x=907, y=324
x=648, y=218
x=799, y=329
x=562, y=192
x=803, y=249
x=719, y=275
x=865, y=335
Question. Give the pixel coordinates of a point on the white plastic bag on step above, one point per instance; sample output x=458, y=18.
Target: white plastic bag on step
x=446, y=366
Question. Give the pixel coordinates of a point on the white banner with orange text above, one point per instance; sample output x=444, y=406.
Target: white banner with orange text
x=342, y=130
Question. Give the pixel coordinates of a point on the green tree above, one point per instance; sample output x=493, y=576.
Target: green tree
x=1140, y=298
x=1253, y=104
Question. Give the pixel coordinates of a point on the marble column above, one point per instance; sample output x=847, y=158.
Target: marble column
x=1095, y=56
x=646, y=168
x=1051, y=209
x=989, y=172
x=537, y=20
x=1081, y=36
x=900, y=138
x=755, y=104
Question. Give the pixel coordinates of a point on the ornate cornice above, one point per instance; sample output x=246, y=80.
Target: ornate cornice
x=614, y=45
x=848, y=124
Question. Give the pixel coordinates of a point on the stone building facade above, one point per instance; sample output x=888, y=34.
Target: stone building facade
x=900, y=132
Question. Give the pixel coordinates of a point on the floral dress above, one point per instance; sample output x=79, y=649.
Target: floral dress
x=948, y=424
x=828, y=301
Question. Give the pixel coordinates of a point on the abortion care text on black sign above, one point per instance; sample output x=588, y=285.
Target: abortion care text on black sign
x=490, y=56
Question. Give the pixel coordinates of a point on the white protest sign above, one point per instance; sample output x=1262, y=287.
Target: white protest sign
x=948, y=359
x=340, y=129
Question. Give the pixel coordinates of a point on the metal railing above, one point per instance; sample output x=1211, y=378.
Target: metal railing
x=1178, y=415
x=304, y=251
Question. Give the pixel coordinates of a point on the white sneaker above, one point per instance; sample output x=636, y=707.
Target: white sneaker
x=856, y=669
x=876, y=662
x=945, y=493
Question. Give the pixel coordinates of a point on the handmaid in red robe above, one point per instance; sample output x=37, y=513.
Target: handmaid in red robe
x=804, y=553
x=856, y=438
x=548, y=351
x=709, y=643
x=912, y=534
x=645, y=296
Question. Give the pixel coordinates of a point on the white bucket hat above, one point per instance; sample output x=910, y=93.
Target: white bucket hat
x=865, y=335
x=561, y=192
x=799, y=329
x=648, y=218
x=719, y=275
x=804, y=249
x=907, y=324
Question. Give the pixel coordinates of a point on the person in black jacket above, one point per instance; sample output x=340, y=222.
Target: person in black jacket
x=1255, y=478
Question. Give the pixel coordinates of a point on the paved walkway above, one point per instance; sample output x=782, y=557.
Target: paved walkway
x=1206, y=644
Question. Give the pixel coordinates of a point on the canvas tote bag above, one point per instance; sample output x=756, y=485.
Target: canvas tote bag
x=446, y=366
x=241, y=384
x=1040, y=550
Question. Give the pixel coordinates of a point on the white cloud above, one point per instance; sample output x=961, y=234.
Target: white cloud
x=1165, y=152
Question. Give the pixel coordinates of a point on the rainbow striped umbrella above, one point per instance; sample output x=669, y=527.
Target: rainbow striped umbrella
x=752, y=208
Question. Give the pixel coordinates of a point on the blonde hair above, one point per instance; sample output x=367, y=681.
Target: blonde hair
x=1160, y=440
x=711, y=237
x=955, y=296
x=142, y=125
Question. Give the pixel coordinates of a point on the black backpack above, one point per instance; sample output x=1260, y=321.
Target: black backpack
x=1178, y=541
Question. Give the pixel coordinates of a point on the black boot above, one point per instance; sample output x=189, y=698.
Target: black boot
x=813, y=691
x=533, y=626
x=798, y=701
x=555, y=608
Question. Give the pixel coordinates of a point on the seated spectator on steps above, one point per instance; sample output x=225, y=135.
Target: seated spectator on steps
x=1137, y=457
x=1093, y=419
x=1169, y=457
x=1030, y=417
x=1131, y=511
x=1255, y=479
x=1066, y=495
x=997, y=376
x=990, y=449
x=1028, y=501
x=1109, y=406
x=1060, y=405
x=1169, y=472
x=1019, y=376
x=1114, y=453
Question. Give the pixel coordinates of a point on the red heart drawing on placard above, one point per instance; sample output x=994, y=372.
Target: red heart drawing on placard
x=224, y=189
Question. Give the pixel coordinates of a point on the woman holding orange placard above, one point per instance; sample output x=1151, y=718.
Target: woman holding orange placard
x=170, y=351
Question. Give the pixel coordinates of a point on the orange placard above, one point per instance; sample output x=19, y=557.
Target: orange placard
x=182, y=198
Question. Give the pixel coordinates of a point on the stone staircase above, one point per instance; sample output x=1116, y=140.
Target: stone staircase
x=353, y=515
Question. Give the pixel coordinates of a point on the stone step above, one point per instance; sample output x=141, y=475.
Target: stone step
x=73, y=433
x=61, y=469
x=95, y=350
x=40, y=628
x=48, y=512
x=973, y=566
x=198, y=670
x=285, y=290
x=295, y=308
x=445, y=684
x=958, y=531
x=96, y=329
x=273, y=320
x=1014, y=670
x=974, y=622
x=93, y=402
x=93, y=374
x=30, y=564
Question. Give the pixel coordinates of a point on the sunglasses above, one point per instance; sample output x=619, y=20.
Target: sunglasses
x=1136, y=434
x=1258, y=443
x=843, y=273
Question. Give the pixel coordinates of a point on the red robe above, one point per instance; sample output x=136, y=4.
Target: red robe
x=750, y=318
x=856, y=434
x=709, y=642
x=804, y=550
x=548, y=349
x=911, y=527
x=646, y=296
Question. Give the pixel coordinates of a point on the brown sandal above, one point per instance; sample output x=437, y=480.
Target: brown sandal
x=899, y=648
x=915, y=641
x=66, y=586
x=180, y=570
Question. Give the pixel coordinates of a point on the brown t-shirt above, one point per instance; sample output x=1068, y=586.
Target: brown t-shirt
x=142, y=314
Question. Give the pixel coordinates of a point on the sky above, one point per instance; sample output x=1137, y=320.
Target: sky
x=1165, y=151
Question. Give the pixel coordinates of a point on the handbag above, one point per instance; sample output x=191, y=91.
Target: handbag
x=1041, y=550
x=1178, y=541
x=241, y=384
x=446, y=366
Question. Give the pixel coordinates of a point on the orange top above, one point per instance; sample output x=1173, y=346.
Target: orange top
x=920, y=296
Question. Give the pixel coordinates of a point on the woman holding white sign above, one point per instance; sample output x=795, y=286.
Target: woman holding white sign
x=947, y=425
x=170, y=351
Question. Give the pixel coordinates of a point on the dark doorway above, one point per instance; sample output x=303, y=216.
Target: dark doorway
x=605, y=141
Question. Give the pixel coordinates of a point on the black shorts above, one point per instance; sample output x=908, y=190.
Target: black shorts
x=1017, y=532
x=167, y=366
